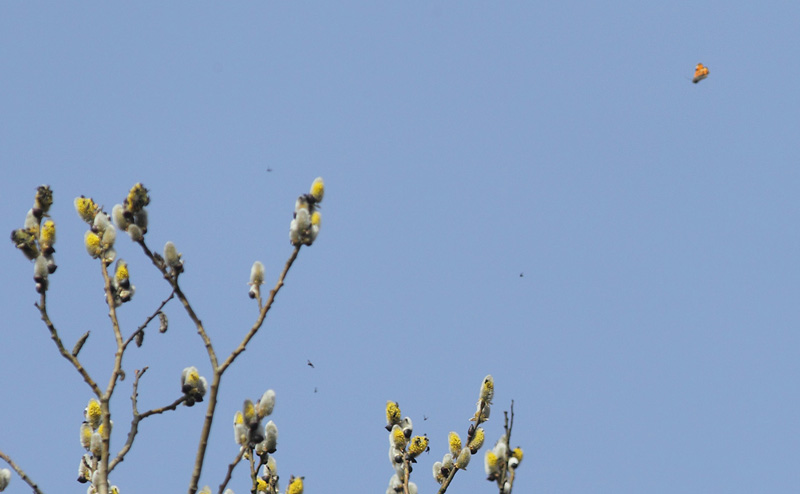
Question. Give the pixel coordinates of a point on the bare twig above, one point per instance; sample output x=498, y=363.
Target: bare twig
x=42, y=306
x=138, y=417
x=21, y=473
x=251, y=457
x=147, y=321
x=230, y=470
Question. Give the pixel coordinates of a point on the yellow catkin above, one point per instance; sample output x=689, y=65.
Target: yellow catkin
x=296, y=486
x=454, y=441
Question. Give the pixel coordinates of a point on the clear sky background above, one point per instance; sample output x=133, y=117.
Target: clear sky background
x=651, y=344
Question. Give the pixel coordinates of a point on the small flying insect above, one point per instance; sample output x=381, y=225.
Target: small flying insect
x=700, y=73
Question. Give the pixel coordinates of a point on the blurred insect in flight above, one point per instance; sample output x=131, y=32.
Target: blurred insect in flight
x=700, y=73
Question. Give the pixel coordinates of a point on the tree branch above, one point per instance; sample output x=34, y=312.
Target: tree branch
x=105, y=399
x=21, y=473
x=147, y=321
x=218, y=371
x=42, y=306
x=230, y=470
x=447, y=481
x=263, y=314
x=137, y=417
x=173, y=281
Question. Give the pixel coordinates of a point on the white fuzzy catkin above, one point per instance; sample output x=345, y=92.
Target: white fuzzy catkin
x=271, y=437
x=266, y=404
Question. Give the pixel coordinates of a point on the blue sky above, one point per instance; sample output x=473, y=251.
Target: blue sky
x=651, y=345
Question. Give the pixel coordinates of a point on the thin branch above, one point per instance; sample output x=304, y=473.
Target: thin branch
x=212, y=356
x=201, y=448
x=406, y=473
x=236, y=461
x=42, y=306
x=147, y=321
x=21, y=473
x=112, y=314
x=262, y=462
x=263, y=314
x=251, y=457
x=447, y=481
x=138, y=417
x=173, y=281
x=105, y=399
x=218, y=371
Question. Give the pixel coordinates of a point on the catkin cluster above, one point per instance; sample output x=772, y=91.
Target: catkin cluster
x=261, y=442
x=459, y=454
x=500, y=464
x=93, y=433
x=403, y=448
x=99, y=239
x=193, y=386
x=307, y=219
x=37, y=237
x=131, y=216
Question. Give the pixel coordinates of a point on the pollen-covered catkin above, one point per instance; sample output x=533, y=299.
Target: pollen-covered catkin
x=491, y=464
x=454, y=441
x=86, y=208
x=397, y=438
x=516, y=457
x=487, y=389
x=92, y=243
x=317, y=189
x=93, y=413
x=47, y=236
x=417, y=446
x=295, y=486
x=477, y=440
x=250, y=415
x=137, y=198
x=239, y=429
x=86, y=435
x=392, y=414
